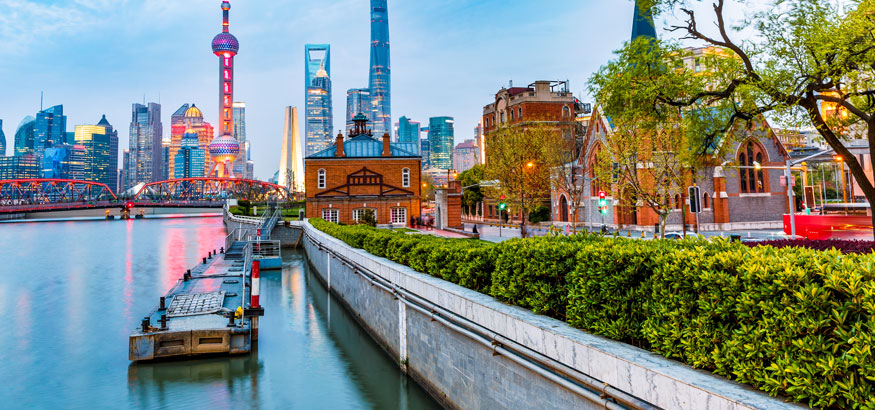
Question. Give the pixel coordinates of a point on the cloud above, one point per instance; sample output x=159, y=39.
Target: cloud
x=24, y=23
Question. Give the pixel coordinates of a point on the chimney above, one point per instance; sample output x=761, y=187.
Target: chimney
x=339, y=144
x=387, y=147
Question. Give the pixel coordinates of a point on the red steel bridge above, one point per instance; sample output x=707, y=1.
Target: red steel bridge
x=36, y=195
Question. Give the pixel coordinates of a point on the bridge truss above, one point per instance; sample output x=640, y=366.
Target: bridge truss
x=206, y=189
x=52, y=191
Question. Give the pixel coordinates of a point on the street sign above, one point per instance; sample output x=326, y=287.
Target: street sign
x=695, y=199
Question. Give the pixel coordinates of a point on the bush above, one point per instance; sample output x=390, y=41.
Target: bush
x=822, y=245
x=795, y=321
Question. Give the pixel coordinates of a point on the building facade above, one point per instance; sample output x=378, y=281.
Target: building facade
x=2, y=140
x=20, y=167
x=358, y=101
x=441, y=138
x=291, y=170
x=364, y=173
x=112, y=134
x=319, y=122
x=465, y=156
x=379, y=79
x=97, y=166
x=24, y=136
x=243, y=166
x=49, y=128
x=191, y=118
x=145, y=144
x=190, y=158
x=65, y=161
x=408, y=131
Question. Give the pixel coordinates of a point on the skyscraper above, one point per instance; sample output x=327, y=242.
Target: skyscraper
x=243, y=164
x=319, y=121
x=316, y=57
x=125, y=172
x=112, y=134
x=145, y=138
x=24, y=136
x=189, y=161
x=189, y=117
x=358, y=101
x=408, y=131
x=64, y=161
x=50, y=128
x=97, y=153
x=379, y=81
x=2, y=140
x=291, y=171
x=225, y=149
x=440, y=141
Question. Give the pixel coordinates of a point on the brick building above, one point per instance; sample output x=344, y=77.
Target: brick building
x=732, y=198
x=364, y=173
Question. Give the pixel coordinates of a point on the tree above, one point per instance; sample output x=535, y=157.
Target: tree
x=472, y=196
x=518, y=158
x=806, y=62
x=654, y=146
x=427, y=187
x=567, y=176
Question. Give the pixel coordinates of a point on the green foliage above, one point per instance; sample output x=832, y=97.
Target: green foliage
x=794, y=321
x=539, y=214
x=368, y=218
x=470, y=178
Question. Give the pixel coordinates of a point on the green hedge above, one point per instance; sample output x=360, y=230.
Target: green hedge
x=794, y=322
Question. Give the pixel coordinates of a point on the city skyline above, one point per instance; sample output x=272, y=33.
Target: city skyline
x=421, y=87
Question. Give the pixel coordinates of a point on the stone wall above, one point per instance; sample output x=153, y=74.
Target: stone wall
x=421, y=321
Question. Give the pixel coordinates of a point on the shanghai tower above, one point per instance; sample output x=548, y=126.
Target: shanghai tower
x=380, y=74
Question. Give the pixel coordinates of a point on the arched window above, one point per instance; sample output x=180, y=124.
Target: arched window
x=321, y=179
x=520, y=113
x=751, y=180
x=706, y=201
x=677, y=201
x=405, y=177
x=566, y=112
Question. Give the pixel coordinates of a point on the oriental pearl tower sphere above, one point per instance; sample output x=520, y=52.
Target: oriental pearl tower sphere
x=225, y=149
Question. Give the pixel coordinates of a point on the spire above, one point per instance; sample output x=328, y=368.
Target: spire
x=642, y=22
x=226, y=6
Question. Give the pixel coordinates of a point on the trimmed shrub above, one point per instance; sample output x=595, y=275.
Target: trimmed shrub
x=844, y=246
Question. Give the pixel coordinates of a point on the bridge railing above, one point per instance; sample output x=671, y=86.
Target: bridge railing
x=266, y=249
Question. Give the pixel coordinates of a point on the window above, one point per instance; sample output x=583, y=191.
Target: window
x=399, y=215
x=321, y=179
x=706, y=201
x=358, y=213
x=502, y=117
x=677, y=202
x=511, y=114
x=520, y=113
x=331, y=215
x=751, y=180
x=405, y=177
x=566, y=112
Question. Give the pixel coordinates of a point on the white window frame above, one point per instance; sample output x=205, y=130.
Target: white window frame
x=405, y=177
x=321, y=179
x=356, y=213
x=398, y=218
x=331, y=215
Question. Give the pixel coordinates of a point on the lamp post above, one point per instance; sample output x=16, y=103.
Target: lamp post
x=841, y=162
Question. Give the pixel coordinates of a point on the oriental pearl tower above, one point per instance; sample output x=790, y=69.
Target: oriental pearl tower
x=224, y=149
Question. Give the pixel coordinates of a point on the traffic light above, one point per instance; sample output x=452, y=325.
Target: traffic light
x=603, y=202
x=502, y=205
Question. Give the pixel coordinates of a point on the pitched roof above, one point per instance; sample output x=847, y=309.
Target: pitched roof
x=365, y=146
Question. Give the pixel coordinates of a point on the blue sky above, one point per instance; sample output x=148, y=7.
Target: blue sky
x=449, y=57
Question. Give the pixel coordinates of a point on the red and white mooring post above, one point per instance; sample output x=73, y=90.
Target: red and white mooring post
x=254, y=291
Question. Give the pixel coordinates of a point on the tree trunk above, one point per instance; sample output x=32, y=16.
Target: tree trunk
x=663, y=218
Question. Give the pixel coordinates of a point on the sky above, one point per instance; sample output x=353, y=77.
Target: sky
x=448, y=57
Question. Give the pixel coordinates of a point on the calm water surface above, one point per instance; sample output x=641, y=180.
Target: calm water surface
x=71, y=292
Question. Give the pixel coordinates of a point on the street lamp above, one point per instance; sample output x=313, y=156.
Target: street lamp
x=840, y=160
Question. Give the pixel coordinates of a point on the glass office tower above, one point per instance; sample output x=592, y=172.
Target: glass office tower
x=379, y=81
x=408, y=131
x=2, y=140
x=319, y=121
x=358, y=101
x=50, y=128
x=24, y=136
x=440, y=141
x=97, y=164
x=146, y=134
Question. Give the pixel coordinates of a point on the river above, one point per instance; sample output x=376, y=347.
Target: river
x=71, y=292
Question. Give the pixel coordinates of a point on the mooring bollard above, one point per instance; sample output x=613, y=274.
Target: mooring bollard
x=186, y=276
x=146, y=324
x=205, y=261
x=161, y=305
x=231, y=321
x=163, y=322
x=222, y=249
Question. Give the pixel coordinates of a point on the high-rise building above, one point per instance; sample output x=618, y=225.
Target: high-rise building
x=379, y=81
x=243, y=165
x=318, y=115
x=113, y=152
x=20, y=167
x=465, y=156
x=97, y=162
x=440, y=140
x=224, y=149
x=358, y=101
x=291, y=171
x=24, y=136
x=425, y=152
x=189, y=117
x=50, y=128
x=124, y=173
x=145, y=139
x=408, y=131
x=2, y=140
x=189, y=161
x=64, y=161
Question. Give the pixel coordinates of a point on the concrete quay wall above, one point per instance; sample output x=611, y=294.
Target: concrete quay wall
x=472, y=352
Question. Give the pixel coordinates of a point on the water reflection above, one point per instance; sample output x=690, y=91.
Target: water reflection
x=71, y=292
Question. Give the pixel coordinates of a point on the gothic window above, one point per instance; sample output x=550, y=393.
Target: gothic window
x=752, y=180
x=706, y=201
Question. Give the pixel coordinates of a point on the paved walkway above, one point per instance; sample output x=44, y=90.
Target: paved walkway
x=438, y=232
